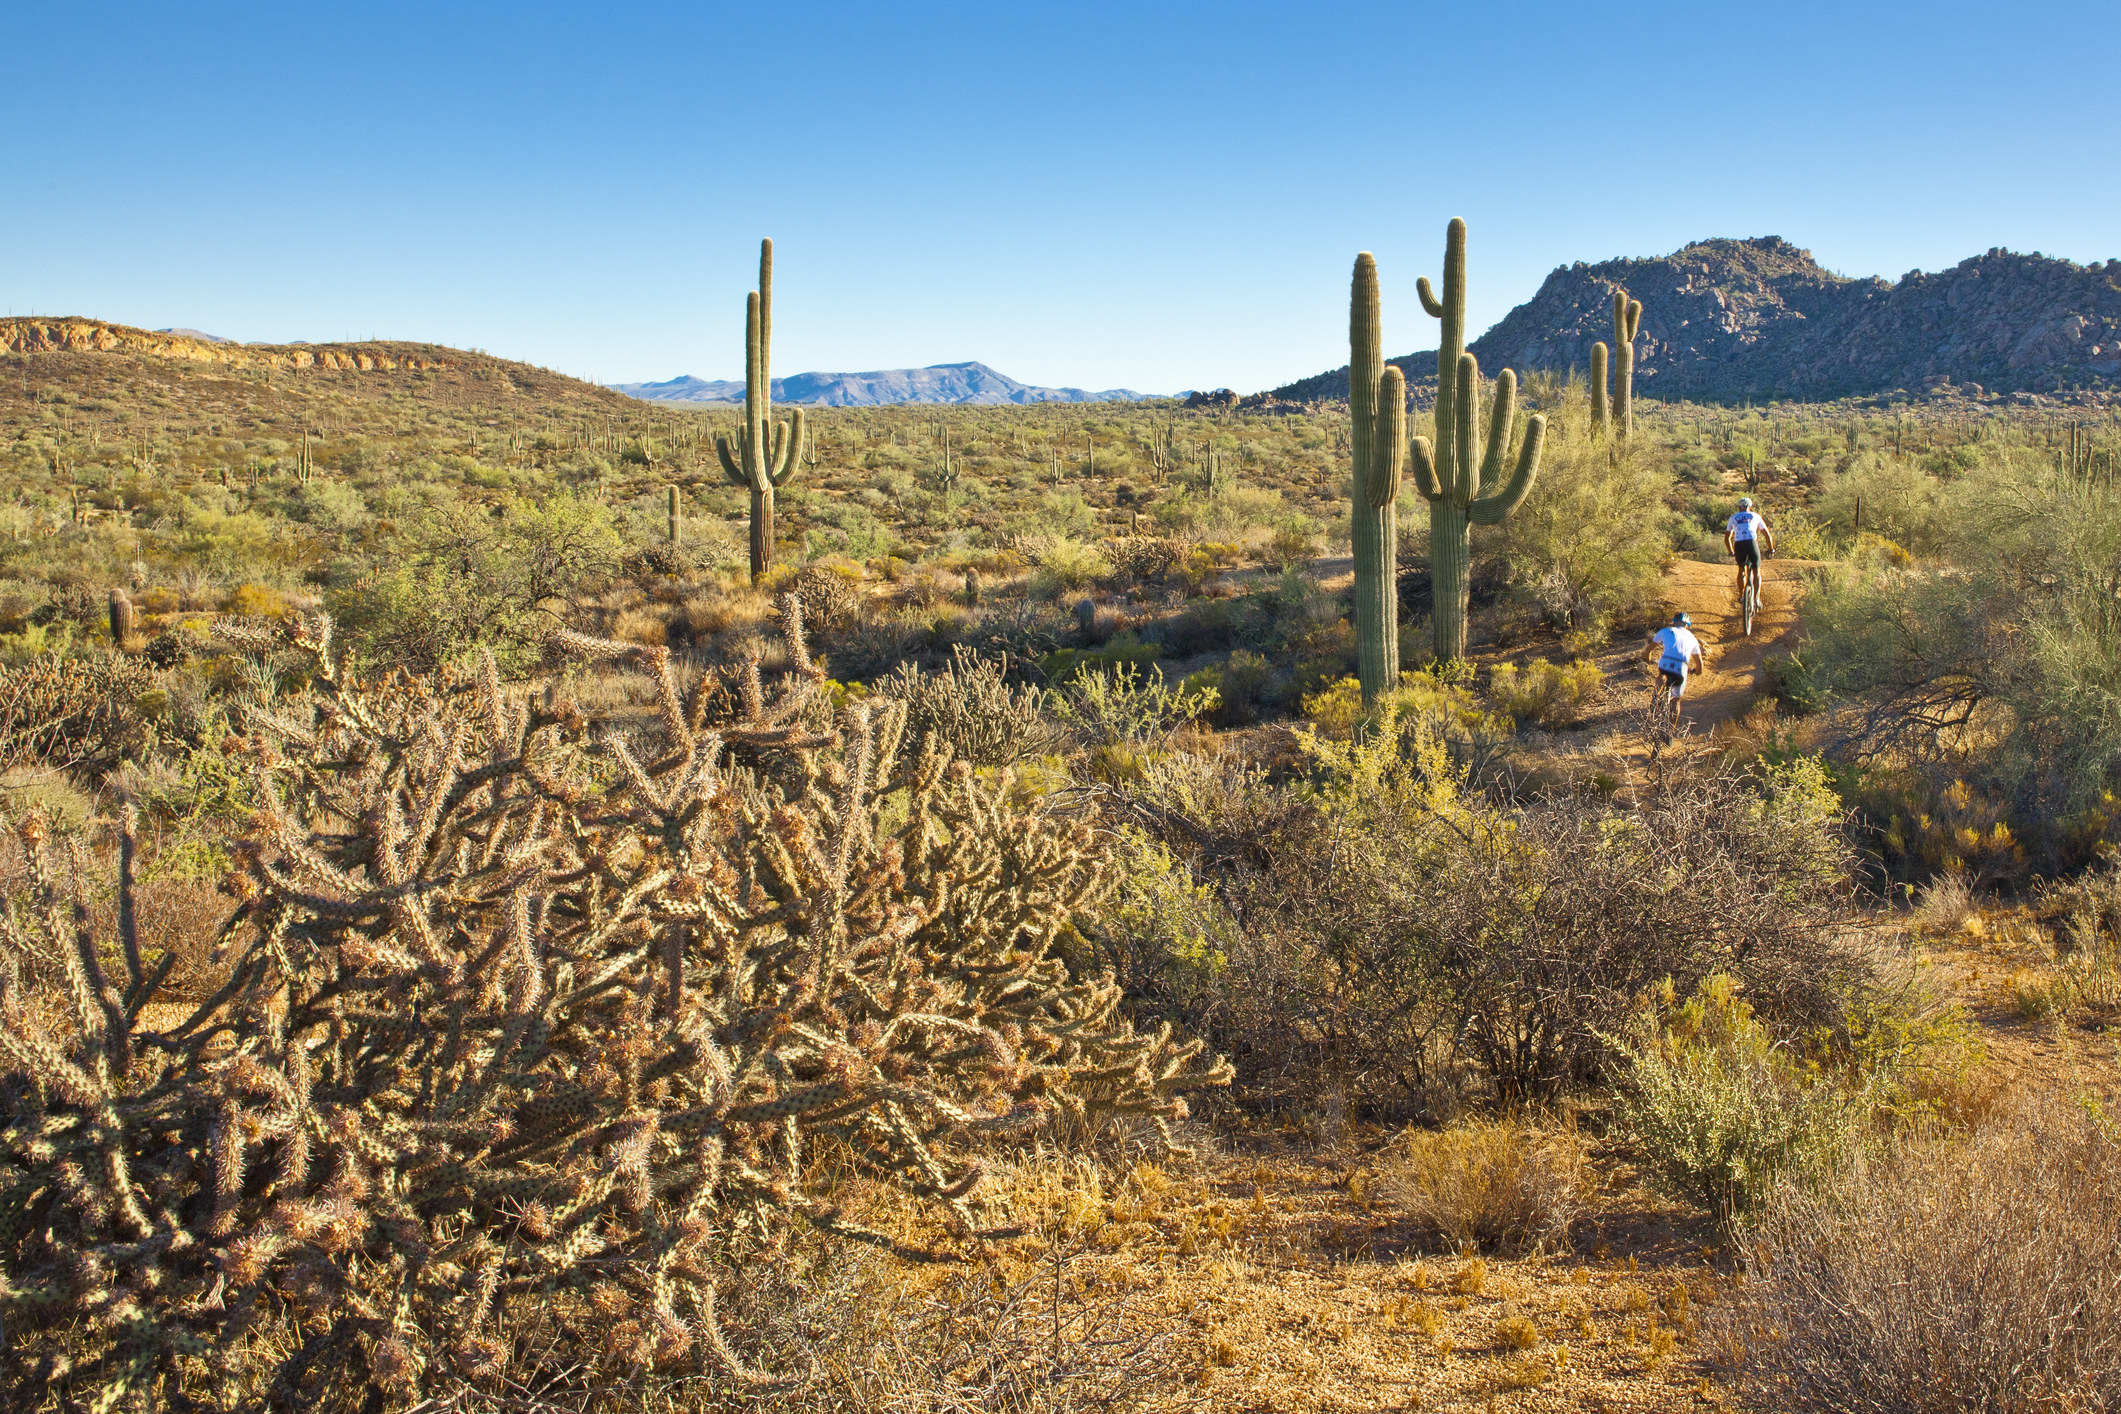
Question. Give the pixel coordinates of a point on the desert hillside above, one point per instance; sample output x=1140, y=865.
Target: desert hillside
x=1731, y=320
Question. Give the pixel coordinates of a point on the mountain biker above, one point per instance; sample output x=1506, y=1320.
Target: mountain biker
x=1745, y=534
x=1676, y=650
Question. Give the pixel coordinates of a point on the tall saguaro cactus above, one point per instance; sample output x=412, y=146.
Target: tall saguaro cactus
x=1463, y=486
x=763, y=454
x=1598, y=386
x=1627, y=318
x=1377, y=406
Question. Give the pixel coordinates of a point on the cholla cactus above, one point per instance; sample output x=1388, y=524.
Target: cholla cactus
x=517, y=1013
x=72, y=712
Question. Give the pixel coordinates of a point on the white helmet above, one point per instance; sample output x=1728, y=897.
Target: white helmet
x=1745, y=503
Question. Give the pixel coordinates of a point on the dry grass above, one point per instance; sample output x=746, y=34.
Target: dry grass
x=1945, y=1275
x=1494, y=1185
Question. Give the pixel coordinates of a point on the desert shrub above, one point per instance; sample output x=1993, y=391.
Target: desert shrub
x=1063, y=564
x=1124, y=705
x=1295, y=540
x=1791, y=681
x=2083, y=916
x=1489, y=1185
x=1589, y=546
x=1144, y=556
x=971, y=707
x=1996, y=657
x=1543, y=693
x=525, y=1037
x=1397, y=934
x=1722, y=1109
x=1943, y=1273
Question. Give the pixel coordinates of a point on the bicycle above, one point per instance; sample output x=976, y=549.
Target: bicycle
x=1748, y=595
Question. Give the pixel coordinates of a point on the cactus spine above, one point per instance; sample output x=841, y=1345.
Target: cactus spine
x=1463, y=487
x=763, y=454
x=676, y=529
x=1598, y=386
x=1627, y=318
x=1377, y=406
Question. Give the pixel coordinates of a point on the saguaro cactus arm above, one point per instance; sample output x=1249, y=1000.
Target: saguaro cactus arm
x=787, y=440
x=1598, y=386
x=1423, y=457
x=1493, y=510
x=1627, y=316
x=1505, y=415
x=1388, y=447
x=731, y=460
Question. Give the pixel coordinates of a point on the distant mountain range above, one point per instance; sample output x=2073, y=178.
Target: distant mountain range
x=942, y=383
x=1729, y=319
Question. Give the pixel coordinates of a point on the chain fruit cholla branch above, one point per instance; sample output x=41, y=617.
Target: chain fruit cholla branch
x=764, y=454
x=518, y=1017
x=1462, y=487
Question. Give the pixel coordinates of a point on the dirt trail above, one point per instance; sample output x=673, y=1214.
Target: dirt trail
x=1710, y=593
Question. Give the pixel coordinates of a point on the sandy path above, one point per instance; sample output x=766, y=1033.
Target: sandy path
x=1710, y=593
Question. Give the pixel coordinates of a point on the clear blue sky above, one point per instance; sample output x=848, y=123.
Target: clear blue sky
x=1149, y=196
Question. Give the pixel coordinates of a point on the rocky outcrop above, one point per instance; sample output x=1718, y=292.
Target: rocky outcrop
x=46, y=335
x=1730, y=319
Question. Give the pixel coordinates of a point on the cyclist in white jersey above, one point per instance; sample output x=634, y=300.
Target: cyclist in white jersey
x=1677, y=652
x=1745, y=535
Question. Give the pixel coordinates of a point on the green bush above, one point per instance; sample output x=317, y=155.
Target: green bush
x=1719, y=1108
x=1543, y=693
x=1590, y=542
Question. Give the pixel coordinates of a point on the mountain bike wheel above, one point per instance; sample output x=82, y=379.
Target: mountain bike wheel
x=1752, y=600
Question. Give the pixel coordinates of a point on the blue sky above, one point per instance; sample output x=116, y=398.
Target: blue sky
x=1149, y=196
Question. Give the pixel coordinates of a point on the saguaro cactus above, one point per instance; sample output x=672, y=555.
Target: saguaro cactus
x=763, y=454
x=1627, y=318
x=675, y=531
x=1598, y=386
x=1463, y=487
x=1377, y=406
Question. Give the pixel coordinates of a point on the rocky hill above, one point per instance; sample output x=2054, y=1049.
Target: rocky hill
x=941, y=383
x=86, y=354
x=1724, y=320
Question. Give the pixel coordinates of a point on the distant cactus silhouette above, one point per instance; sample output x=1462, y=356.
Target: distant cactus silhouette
x=1463, y=487
x=1377, y=406
x=763, y=455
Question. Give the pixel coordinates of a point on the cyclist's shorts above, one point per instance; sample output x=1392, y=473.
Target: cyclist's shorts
x=1672, y=679
x=1748, y=552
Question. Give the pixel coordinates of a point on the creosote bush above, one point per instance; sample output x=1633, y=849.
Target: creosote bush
x=530, y=1027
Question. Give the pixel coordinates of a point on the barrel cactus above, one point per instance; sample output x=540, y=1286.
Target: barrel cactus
x=1463, y=486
